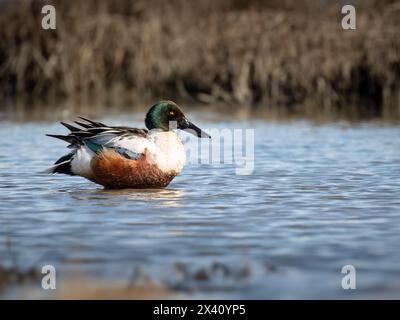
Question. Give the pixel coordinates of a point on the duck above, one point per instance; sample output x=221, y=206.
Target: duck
x=125, y=157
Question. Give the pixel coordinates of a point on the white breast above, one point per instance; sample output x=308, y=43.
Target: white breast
x=166, y=151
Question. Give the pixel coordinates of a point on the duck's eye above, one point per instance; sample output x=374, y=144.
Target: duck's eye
x=171, y=113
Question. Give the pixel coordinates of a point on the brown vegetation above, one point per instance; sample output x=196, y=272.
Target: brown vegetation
x=270, y=55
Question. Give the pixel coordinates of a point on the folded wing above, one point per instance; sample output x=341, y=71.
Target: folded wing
x=91, y=138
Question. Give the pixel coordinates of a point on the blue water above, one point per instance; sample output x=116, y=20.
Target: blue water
x=320, y=197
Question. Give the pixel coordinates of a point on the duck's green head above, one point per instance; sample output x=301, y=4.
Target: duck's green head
x=165, y=113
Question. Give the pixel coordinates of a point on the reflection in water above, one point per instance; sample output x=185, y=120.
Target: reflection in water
x=162, y=197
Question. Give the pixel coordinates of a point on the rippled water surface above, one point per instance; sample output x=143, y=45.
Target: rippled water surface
x=320, y=197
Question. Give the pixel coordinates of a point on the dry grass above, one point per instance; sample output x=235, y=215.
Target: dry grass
x=260, y=54
x=79, y=289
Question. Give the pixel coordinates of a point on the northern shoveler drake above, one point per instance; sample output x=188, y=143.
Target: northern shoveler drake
x=124, y=157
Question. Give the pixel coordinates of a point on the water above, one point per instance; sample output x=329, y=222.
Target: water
x=320, y=197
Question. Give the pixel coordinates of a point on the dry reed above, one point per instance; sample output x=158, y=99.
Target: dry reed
x=261, y=54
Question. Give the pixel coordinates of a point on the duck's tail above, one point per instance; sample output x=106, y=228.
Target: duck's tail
x=62, y=165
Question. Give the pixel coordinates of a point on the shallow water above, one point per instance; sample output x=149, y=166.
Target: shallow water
x=320, y=197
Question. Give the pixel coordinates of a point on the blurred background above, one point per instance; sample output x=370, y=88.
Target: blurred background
x=324, y=104
x=282, y=58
